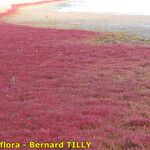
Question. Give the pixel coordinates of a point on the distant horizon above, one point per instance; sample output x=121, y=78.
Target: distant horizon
x=119, y=7
x=129, y=7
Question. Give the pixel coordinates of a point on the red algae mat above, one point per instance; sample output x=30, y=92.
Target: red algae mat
x=55, y=88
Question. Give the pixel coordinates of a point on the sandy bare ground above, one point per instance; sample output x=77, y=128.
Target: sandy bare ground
x=46, y=16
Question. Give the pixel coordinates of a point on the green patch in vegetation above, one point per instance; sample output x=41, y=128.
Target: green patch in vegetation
x=120, y=38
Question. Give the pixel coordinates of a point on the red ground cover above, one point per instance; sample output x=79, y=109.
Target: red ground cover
x=54, y=90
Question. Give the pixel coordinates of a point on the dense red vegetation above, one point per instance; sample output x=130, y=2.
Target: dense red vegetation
x=54, y=87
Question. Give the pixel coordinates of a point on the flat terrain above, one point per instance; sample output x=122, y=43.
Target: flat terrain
x=46, y=15
x=74, y=85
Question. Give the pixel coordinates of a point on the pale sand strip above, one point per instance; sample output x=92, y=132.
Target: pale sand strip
x=44, y=15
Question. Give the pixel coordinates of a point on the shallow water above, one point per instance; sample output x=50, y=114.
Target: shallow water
x=131, y=7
